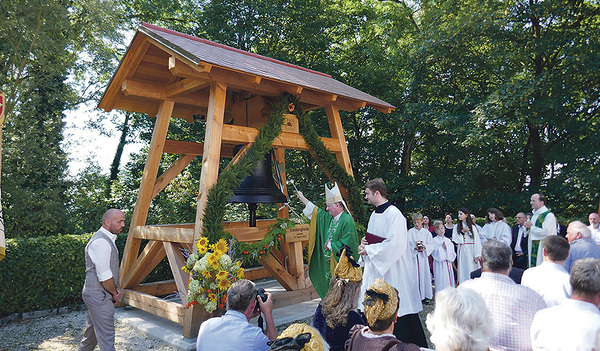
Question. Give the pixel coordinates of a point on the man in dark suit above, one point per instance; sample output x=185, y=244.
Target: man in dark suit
x=519, y=243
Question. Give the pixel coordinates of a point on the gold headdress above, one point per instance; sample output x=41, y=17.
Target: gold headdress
x=315, y=343
x=380, y=301
x=347, y=268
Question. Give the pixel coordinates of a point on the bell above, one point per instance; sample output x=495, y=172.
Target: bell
x=258, y=188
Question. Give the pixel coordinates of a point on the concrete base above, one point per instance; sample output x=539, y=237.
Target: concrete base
x=172, y=333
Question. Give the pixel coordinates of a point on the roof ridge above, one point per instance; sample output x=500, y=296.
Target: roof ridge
x=223, y=46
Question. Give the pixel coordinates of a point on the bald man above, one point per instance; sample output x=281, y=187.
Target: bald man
x=101, y=289
x=594, y=226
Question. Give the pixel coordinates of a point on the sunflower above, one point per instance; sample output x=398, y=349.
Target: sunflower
x=213, y=261
x=202, y=245
x=224, y=285
x=221, y=246
x=212, y=297
x=240, y=273
x=222, y=275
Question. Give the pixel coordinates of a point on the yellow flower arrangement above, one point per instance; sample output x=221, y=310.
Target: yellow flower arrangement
x=212, y=274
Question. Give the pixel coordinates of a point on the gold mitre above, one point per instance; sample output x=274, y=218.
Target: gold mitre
x=346, y=270
x=333, y=195
x=380, y=301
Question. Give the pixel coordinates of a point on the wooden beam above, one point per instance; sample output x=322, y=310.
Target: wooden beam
x=192, y=148
x=233, y=134
x=151, y=91
x=176, y=262
x=172, y=311
x=133, y=88
x=249, y=234
x=149, y=258
x=212, y=149
x=238, y=156
x=185, y=86
x=337, y=132
x=279, y=272
x=289, y=298
x=296, y=263
x=163, y=233
x=164, y=287
x=128, y=66
x=171, y=173
x=142, y=205
x=256, y=273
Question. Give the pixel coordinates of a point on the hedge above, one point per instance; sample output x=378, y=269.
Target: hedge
x=48, y=272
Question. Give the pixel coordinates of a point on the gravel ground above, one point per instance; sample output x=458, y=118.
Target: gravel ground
x=63, y=332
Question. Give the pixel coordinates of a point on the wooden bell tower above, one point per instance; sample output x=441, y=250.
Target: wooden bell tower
x=167, y=74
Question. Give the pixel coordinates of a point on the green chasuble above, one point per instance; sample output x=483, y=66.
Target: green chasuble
x=321, y=262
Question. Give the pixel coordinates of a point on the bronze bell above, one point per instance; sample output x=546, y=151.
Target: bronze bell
x=258, y=188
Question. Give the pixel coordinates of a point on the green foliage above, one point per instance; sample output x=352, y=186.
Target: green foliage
x=49, y=272
x=44, y=71
x=333, y=168
x=220, y=193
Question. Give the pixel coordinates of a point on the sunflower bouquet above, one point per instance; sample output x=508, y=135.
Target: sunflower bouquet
x=212, y=273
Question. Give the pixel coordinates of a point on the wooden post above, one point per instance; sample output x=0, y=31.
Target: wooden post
x=337, y=132
x=140, y=213
x=212, y=149
x=208, y=177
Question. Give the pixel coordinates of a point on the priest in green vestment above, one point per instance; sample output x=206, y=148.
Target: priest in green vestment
x=329, y=229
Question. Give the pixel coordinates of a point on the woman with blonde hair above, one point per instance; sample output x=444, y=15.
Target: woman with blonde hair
x=461, y=321
x=337, y=314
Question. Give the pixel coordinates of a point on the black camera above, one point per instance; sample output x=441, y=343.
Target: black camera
x=263, y=295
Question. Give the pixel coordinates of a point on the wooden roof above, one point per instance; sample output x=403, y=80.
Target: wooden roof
x=164, y=64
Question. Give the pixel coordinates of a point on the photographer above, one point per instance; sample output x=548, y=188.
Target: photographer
x=233, y=331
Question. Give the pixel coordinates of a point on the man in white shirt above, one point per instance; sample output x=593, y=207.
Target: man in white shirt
x=594, y=226
x=541, y=225
x=233, y=331
x=101, y=289
x=550, y=279
x=512, y=305
x=575, y=323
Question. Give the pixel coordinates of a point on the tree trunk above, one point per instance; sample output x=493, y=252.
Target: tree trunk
x=114, y=167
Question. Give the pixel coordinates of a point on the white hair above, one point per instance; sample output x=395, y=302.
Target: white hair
x=460, y=321
x=581, y=228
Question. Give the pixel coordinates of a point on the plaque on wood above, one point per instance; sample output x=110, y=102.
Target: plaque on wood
x=298, y=233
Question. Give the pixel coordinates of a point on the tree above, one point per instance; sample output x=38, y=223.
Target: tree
x=43, y=75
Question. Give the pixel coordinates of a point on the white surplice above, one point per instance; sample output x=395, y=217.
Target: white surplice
x=391, y=260
x=443, y=273
x=496, y=230
x=420, y=260
x=469, y=247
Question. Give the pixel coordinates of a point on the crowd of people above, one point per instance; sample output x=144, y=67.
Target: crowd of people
x=529, y=287
x=499, y=288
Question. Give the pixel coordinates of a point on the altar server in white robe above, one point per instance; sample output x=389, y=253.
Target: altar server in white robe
x=466, y=237
x=386, y=255
x=419, y=240
x=442, y=251
x=495, y=228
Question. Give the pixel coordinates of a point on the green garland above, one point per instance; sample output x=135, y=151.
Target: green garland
x=328, y=162
x=220, y=193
